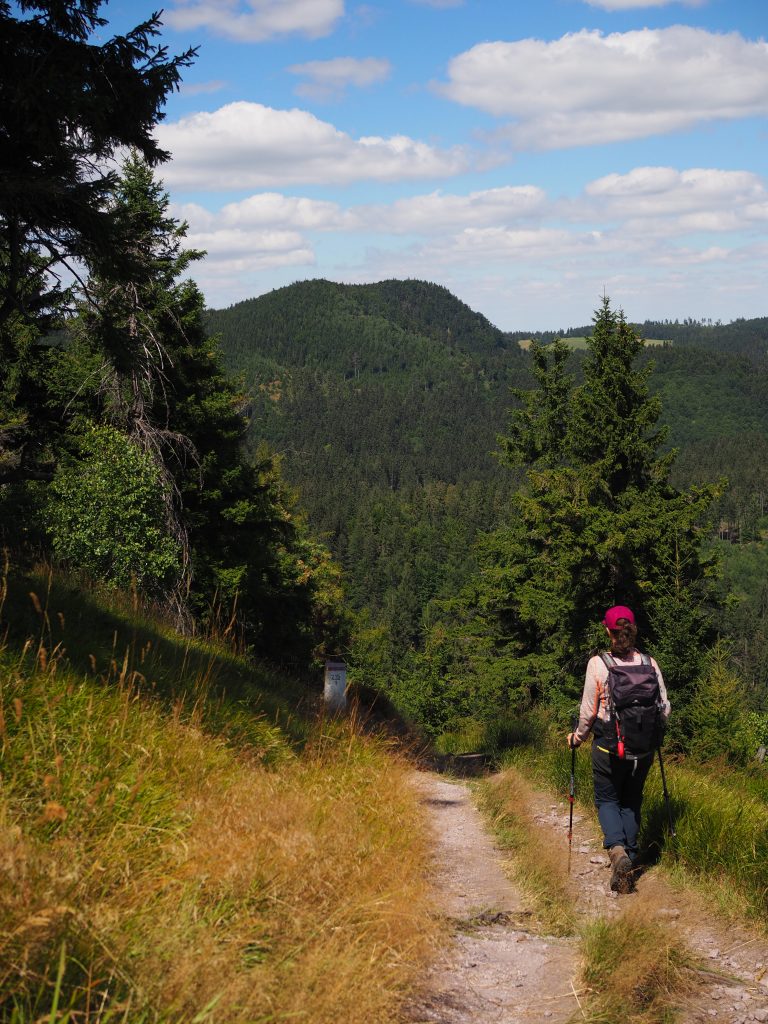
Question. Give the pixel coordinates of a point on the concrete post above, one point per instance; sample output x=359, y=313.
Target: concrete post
x=334, y=692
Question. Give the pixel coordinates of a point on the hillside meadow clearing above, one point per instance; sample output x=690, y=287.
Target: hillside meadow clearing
x=580, y=344
x=183, y=838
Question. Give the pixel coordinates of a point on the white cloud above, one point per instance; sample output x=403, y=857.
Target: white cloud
x=329, y=78
x=267, y=210
x=436, y=213
x=589, y=88
x=662, y=199
x=254, y=21
x=440, y=212
x=247, y=145
x=232, y=253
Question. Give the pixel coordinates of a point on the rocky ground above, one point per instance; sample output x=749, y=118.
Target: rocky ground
x=497, y=968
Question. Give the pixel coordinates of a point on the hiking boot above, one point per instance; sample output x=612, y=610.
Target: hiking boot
x=621, y=876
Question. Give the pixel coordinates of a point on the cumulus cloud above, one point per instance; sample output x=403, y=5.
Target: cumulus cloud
x=254, y=21
x=232, y=251
x=439, y=212
x=436, y=213
x=327, y=79
x=268, y=210
x=247, y=145
x=662, y=199
x=590, y=88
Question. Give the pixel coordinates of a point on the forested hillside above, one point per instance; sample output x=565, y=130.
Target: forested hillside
x=386, y=403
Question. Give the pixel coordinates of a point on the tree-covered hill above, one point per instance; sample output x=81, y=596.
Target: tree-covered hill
x=399, y=383
x=370, y=388
x=386, y=402
x=356, y=330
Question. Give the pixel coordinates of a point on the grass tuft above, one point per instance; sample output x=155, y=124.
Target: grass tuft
x=635, y=968
x=538, y=866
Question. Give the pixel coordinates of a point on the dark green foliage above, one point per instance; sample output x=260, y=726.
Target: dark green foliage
x=383, y=407
x=104, y=514
x=596, y=524
x=67, y=104
x=140, y=359
x=718, y=723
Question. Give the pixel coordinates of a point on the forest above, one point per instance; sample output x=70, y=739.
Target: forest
x=389, y=407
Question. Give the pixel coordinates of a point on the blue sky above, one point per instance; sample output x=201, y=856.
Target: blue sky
x=527, y=155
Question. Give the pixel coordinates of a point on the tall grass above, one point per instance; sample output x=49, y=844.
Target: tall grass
x=636, y=970
x=178, y=844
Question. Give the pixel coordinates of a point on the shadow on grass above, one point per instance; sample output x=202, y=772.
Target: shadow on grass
x=120, y=647
x=656, y=836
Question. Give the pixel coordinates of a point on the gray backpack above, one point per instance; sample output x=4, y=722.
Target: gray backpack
x=636, y=722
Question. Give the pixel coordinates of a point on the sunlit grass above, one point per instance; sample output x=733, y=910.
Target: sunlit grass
x=636, y=969
x=178, y=844
x=720, y=818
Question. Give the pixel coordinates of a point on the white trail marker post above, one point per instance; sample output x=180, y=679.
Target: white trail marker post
x=334, y=691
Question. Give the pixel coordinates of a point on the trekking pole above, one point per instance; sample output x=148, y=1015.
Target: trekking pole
x=666, y=795
x=572, y=789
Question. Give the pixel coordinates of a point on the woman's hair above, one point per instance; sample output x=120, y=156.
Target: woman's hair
x=623, y=637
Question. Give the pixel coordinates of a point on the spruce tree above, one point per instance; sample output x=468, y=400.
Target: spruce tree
x=69, y=100
x=142, y=360
x=596, y=523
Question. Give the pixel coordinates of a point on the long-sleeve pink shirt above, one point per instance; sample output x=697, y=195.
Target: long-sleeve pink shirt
x=594, y=703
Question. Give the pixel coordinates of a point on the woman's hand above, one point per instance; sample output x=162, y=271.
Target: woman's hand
x=572, y=741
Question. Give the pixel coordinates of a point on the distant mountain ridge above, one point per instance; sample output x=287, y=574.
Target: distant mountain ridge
x=399, y=385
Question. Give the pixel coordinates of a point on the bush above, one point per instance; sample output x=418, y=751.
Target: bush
x=106, y=514
x=718, y=722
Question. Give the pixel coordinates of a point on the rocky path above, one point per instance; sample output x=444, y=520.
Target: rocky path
x=497, y=970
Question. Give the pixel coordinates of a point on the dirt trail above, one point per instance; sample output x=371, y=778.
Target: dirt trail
x=497, y=970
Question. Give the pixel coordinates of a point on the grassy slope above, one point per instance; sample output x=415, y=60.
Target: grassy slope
x=182, y=844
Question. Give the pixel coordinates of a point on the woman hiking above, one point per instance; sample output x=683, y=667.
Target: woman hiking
x=625, y=706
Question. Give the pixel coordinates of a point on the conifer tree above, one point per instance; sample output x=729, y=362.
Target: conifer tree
x=597, y=523
x=141, y=359
x=68, y=102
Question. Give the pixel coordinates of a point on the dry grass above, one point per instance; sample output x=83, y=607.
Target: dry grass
x=539, y=866
x=154, y=871
x=299, y=893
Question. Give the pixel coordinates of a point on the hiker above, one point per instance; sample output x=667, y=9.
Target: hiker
x=625, y=706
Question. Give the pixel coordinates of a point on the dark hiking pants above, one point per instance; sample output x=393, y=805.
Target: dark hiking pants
x=619, y=796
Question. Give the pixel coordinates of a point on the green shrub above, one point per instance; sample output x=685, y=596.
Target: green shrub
x=717, y=720
x=106, y=514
